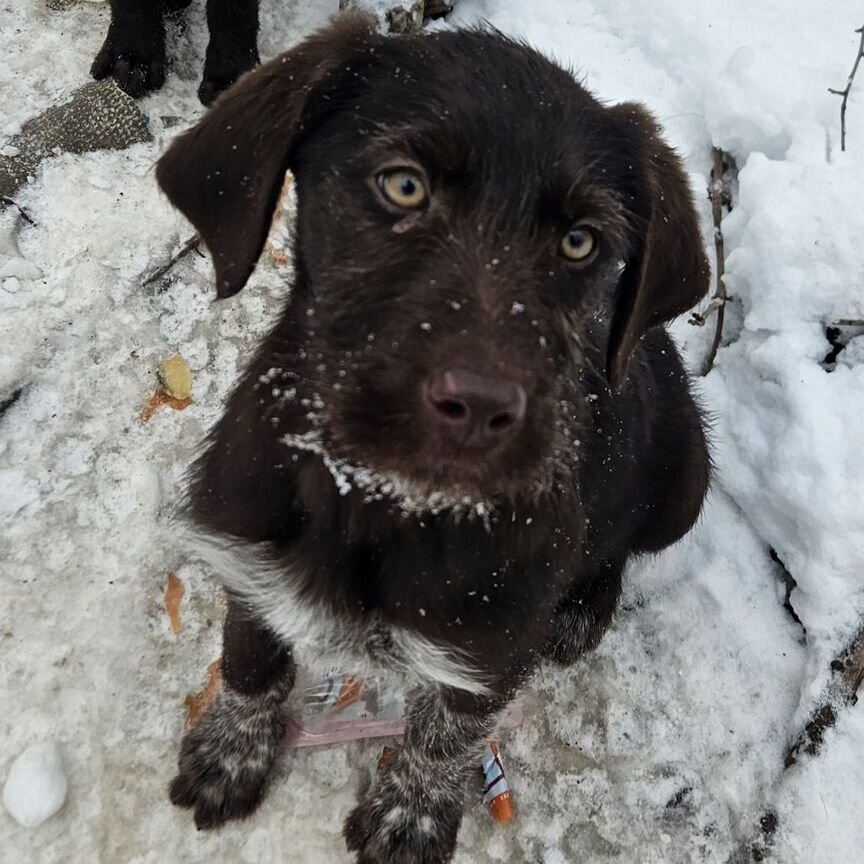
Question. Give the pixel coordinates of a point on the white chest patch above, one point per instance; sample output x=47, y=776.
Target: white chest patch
x=319, y=638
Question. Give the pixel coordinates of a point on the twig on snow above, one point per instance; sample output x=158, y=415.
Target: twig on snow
x=719, y=195
x=185, y=249
x=848, y=671
x=8, y=202
x=844, y=93
x=847, y=677
x=700, y=319
x=6, y=402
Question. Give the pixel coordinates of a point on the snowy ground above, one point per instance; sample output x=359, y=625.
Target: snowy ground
x=667, y=744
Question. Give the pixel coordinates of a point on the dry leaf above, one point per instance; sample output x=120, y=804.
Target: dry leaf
x=349, y=693
x=385, y=758
x=198, y=703
x=174, y=592
x=154, y=403
x=176, y=377
x=159, y=399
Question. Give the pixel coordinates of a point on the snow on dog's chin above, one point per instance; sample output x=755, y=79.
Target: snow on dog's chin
x=412, y=498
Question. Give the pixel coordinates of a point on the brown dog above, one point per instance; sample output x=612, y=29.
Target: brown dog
x=469, y=416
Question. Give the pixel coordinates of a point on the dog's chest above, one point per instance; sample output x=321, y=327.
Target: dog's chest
x=320, y=637
x=369, y=647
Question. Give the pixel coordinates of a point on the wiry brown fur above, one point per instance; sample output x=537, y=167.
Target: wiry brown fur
x=327, y=468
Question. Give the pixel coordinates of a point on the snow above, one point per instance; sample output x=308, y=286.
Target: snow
x=375, y=485
x=665, y=745
x=36, y=787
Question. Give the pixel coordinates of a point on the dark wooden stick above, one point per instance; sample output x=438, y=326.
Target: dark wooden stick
x=848, y=673
x=6, y=402
x=847, y=676
x=6, y=201
x=185, y=249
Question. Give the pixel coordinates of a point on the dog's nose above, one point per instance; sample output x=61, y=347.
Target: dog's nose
x=472, y=410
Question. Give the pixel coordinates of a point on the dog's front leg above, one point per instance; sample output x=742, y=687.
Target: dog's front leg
x=227, y=759
x=412, y=811
x=585, y=612
x=133, y=53
x=233, y=47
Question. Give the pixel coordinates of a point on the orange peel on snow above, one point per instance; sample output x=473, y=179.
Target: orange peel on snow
x=162, y=398
x=198, y=703
x=174, y=592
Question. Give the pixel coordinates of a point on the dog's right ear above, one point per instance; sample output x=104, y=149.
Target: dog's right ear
x=225, y=174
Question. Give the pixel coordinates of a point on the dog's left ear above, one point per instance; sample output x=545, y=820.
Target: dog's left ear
x=668, y=272
x=225, y=174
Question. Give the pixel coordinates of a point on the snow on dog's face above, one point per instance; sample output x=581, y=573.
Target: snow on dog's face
x=480, y=245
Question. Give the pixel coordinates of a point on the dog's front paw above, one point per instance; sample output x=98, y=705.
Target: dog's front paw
x=134, y=57
x=404, y=820
x=227, y=759
x=223, y=66
x=571, y=635
x=580, y=622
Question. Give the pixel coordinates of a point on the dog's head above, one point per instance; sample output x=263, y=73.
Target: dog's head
x=477, y=239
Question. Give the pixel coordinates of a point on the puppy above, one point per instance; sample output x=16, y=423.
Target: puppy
x=134, y=50
x=469, y=416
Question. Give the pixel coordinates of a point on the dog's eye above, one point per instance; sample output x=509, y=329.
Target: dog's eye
x=579, y=244
x=403, y=188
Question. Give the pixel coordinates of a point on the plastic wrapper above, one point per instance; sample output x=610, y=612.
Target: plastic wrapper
x=341, y=708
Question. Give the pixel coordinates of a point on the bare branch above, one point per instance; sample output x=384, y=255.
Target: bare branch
x=848, y=88
x=719, y=194
x=185, y=249
x=848, y=673
x=8, y=202
x=846, y=679
x=6, y=402
x=700, y=319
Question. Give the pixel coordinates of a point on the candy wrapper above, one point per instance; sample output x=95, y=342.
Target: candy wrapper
x=496, y=791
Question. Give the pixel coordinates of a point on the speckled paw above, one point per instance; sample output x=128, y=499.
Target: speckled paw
x=392, y=825
x=226, y=761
